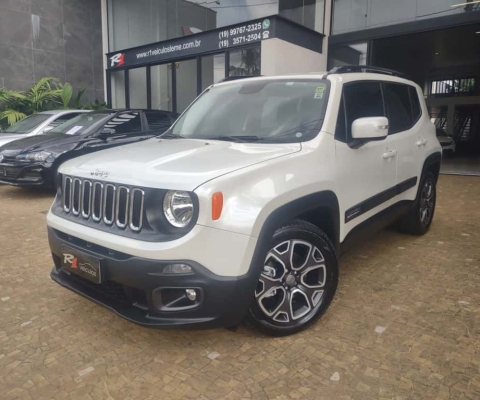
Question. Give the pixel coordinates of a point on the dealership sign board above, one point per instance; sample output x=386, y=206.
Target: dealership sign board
x=216, y=40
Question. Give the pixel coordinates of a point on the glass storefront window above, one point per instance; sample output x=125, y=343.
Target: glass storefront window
x=186, y=83
x=354, y=15
x=309, y=13
x=118, y=89
x=161, y=87
x=234, y=11
x=349, y=15
x=137, y=82
x=245, y=62
x=135, y=23
x=213, y=69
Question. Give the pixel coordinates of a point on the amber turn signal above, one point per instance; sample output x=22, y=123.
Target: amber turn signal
x=217, y=205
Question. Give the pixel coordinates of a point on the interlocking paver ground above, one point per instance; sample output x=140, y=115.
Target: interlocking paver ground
x=405, y=324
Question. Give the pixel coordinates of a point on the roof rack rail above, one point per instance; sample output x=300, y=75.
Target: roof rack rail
x=345, y=69
x=236, y=77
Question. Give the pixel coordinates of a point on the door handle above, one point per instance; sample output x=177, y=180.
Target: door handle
x=421, y=142
x=389, y=154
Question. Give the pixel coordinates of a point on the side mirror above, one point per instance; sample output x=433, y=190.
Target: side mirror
x=105, y=133
x=368, y=129
x=47, y=129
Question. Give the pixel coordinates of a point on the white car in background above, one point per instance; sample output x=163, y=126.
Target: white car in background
x=36, y=124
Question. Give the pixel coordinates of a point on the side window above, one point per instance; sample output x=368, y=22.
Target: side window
x=362, y=99
x=124, y=123
x=399, y=108
x=60, y=120
x=340, y=128
x=416, y=108
x=158, y=121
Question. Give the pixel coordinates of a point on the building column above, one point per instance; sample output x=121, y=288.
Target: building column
x=451, y=119
x=104, y=44
x=327, y=29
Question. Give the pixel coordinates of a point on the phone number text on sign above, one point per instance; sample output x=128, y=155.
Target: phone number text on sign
x=244, y=34
x=247, y=39
x=247, y=28
x=240, y=30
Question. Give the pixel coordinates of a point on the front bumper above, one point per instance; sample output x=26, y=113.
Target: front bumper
x=23, y=174
x=136, y=288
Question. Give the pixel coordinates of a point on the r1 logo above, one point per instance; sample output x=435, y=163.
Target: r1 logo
x=117, y=60
x=70, y=259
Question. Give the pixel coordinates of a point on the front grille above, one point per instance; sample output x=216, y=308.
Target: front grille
x=107, y=203
x=110, y=289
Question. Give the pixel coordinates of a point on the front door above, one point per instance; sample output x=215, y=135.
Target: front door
x=122, y=129
x=366, y=175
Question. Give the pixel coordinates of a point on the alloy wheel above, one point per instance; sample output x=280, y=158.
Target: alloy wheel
x=427, y=202
x=292, y=283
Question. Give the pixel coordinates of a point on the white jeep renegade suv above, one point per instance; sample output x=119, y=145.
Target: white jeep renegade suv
x=242, y=208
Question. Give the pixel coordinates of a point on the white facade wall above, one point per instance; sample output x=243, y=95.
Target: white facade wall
x=280, y=57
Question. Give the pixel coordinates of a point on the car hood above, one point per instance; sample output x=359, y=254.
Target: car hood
x=46, y=142
x=182, y=164
x=6, y=137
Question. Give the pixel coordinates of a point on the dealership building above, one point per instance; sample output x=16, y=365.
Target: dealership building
x=161, y=54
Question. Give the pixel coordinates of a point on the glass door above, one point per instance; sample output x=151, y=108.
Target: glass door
x=137, y=82
x=186, y=83
x=161, y=87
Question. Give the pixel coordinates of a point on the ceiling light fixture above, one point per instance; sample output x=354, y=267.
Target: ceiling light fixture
x=466, y=4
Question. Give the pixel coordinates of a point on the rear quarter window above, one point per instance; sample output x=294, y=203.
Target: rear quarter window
x=399, y=109
x=415, y=102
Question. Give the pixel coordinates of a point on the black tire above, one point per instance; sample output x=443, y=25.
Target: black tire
x=416, y=222
x=307, y=286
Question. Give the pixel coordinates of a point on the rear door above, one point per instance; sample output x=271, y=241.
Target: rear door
x=366, y=175
x=404, y=113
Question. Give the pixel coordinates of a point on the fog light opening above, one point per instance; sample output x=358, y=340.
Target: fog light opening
x=177, y=269
x=191, y=294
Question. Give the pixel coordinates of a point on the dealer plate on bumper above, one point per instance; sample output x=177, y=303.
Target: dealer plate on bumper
x=81, y=264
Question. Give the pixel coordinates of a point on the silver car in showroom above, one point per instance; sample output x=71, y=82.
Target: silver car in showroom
x=36, y=124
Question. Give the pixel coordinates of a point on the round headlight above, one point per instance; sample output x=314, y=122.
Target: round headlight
x=178, y=208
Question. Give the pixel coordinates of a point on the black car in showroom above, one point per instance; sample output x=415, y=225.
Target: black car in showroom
x=34, y=161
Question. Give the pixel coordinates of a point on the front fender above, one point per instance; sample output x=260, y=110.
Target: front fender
x=253, y=194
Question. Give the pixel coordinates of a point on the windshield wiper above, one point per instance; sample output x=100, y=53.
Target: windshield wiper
x=236, y=138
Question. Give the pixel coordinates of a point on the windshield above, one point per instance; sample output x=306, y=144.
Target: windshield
x=267, y=110
x=83, y=123
x=28, y=124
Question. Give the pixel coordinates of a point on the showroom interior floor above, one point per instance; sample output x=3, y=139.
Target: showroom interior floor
x=461, y=165
x=404, y=325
